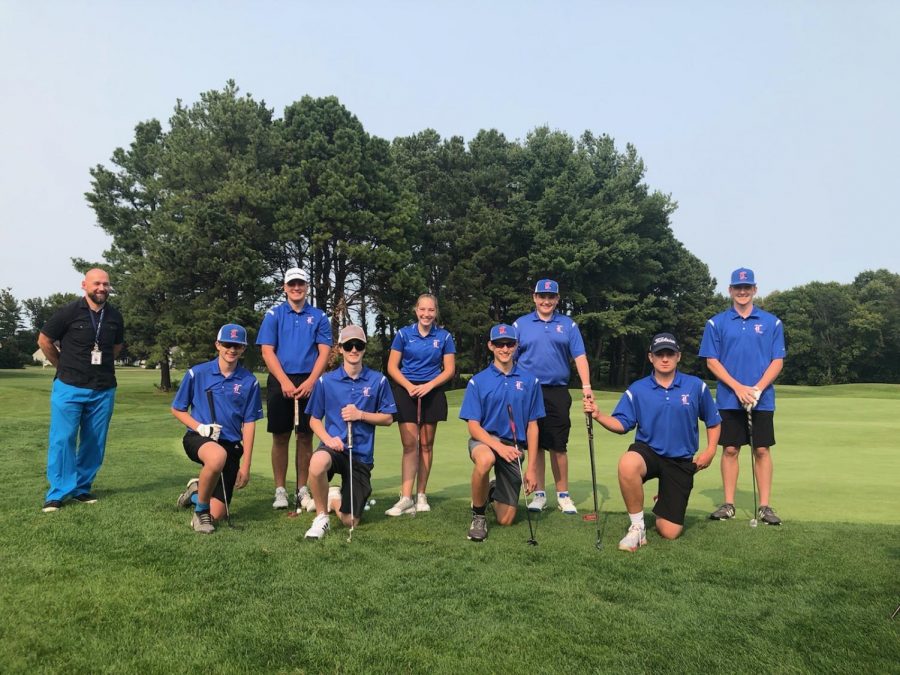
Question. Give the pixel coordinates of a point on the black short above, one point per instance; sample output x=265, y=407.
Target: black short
x=676, y=480
x=554, y=428
x=734, y=428
x=508, y=479
x=362, y=480
x=192, y=443
x=280, y=410
x=434, y=405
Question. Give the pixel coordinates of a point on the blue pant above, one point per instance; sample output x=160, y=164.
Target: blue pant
x=78, y=417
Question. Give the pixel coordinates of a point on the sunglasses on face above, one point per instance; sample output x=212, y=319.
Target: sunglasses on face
x=232, y=345
x=294, y=283
x=503, y=344
x=351, y=345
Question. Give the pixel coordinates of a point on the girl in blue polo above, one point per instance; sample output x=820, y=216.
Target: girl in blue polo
x=422, y=360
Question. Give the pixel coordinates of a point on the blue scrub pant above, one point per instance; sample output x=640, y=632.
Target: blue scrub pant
x=79, y=421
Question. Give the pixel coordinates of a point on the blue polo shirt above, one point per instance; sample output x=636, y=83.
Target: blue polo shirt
x=370, y=392
x=422, y=358
x=488, y=394
x=666, y=418
x=236, y=398
x=295, y=335
x=745, y=347
x=547, y=347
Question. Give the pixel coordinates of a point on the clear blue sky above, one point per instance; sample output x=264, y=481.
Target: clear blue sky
x=774, y=125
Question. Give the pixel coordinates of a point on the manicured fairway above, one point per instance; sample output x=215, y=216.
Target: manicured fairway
x=125, y=586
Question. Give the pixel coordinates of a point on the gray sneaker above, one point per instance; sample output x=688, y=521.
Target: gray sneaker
x=724, y=512
x=202, y=522
x=478, y=528
x=184, y=499
x=768, y=516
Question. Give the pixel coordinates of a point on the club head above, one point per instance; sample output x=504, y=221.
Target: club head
x=599, y=545
x=589, y=517
x=293, y=514
x=531, y=542
x=753, y=522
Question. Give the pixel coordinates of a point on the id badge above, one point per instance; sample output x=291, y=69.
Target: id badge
x=96, y=357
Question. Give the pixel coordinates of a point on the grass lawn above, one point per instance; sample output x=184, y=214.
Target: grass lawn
x=124, y=585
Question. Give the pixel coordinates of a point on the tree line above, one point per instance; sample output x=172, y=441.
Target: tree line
x=207, y=214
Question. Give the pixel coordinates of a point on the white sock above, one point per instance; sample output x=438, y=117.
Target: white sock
x=637, y=518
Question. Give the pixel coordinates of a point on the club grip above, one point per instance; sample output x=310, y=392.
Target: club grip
x=212, y=405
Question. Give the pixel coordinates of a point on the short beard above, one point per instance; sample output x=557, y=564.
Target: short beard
x=97, y=301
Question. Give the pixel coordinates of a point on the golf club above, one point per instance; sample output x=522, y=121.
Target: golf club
x=350, y=448
x=512, y=426
x=212, y=413
x=589, y=421
x=298, y=508
x=752, y=460
x=418, y=443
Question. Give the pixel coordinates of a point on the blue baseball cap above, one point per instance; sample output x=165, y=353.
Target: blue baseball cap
x=743, y=276
x=231, y=332
x=503, y=331
x=662, y=341
x=546, y=286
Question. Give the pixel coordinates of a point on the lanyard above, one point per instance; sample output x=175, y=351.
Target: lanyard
x=96, y=326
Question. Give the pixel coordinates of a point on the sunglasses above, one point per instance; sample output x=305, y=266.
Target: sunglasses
x=232, y=345
x=293, y=283
x=503, y=343
x=350, y=345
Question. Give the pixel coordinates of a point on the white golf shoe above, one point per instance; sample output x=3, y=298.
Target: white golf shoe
x=281, y=499
x=538, y=502
x=422, y=505
x=565, y=504
x=634, y=538
x=320, y=525
x=405, y=505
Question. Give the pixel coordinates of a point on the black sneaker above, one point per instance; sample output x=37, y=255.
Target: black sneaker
x=724, y=512
x=478, y=528
x=51, y=505
x=768, y=516
x=184, y=499
x=86, y=498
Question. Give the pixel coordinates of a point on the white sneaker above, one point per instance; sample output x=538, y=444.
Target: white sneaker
x=306, y=502
x=633, y=539
x=281, y=500
x=422, y=505
x=320, y=525
x=335, y=499
x=565, y=504
x=403, y=506
x=538, y=502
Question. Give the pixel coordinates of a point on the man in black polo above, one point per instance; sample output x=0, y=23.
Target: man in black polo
x=82, y=340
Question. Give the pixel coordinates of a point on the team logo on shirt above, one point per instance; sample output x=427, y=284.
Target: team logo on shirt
x=519, y=385
x=685, y=399
x=758, y=328
x=309, y=319
x=366, y=391
x=559, y=328
x=436, y=343
x=236, y=389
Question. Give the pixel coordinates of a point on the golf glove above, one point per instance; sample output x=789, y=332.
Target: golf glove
x=750, y=406
x=211, y=431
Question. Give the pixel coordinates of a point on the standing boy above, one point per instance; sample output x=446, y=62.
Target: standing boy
x=744, y=350
x=548, y=342
x=346, y=406
x=665, y=407
x=485, y=408
x=295, y=340
x=219, y=402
